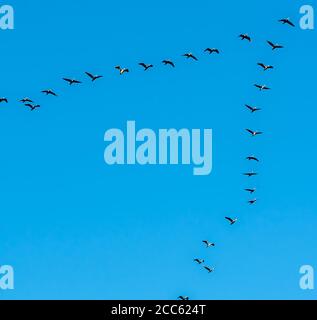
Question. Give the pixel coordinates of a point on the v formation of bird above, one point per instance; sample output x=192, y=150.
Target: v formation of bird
x=29, y=103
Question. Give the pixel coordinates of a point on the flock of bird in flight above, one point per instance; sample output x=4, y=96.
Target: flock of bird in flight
x=253, y=133
x=27, y=102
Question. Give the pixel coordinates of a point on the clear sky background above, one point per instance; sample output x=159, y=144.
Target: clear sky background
x=74, y=228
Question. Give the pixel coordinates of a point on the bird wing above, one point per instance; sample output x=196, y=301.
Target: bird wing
x=90, y=75
x=142, y=64
x=250, y=131
x=290, y=23
x=271, y=44
x=261, y=65
x=229, y=219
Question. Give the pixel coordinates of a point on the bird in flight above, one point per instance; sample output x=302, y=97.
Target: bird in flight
x=262, y=87
x=252, y=201
x=122, y=70
x=26, y=100
x=72, y=81
x=275, y=46
x=253, y=109
x=49, y=92
x=212, y=50
x=208, y=244
x=250, y=190
x=253, y=158
x=168, y=62
x=265, y=67
x=232, y=221
x=245, y=37
x=250, y=174
x=3, y=100
x=93, y=77
x=199, y=261
x=146, y=66
x=287, y=21
x=190, y=56
x=209, y=269
x=32, y=106
x=183, y=298
x=254, y=133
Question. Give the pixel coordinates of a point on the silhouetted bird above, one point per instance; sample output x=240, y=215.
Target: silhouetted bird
x=145, y=66
x=212, y=50
x=122, y=70
x=199, y=261
x=252, y=201
x=253, y=109
x=183, y=298
x=32, y=106
x=209, y=269
x=275, y=46
x=168, y=62
x=265, y=67
x=25, y=100
x=250, y=190
x=287, y=21
x=72, y=81
x=93, y=77
x=3, y=100
x=245, y=37
x=49, y=92
x=190, y=56
x=252, y=158
x=250, y=174
x=232, y=221
x=208, y=244
x=254, y=133
x=262, y=87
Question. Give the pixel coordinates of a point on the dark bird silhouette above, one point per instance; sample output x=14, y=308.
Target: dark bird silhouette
x=32, y=106
x=199, y=261
x=250, y=174
x=93, y=77
x=275, y=46
x=253, y=109
x=209, y=269
x=262, y=87
x=265, y=67
x=208, y=244
x=49, y=92
x=26, y=100
x=4, y=100
x=232, y=221
x=72, y=81
x=190, y=56
x=287, y=21
x=183, y=298
x=245, y=37
x=252, y=158
x=146, y=66
x=254, y=133
x=122, y=70
x=250, y=190
x=252, y=201
x=212, y=50
x=168, y=62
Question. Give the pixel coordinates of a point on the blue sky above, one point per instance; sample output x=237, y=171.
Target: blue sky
x=75, y=228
